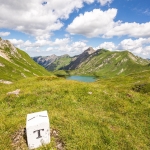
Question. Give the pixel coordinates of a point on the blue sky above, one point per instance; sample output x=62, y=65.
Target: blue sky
x=46, y=27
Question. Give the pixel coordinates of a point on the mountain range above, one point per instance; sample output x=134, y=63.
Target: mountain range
x=16, y=64
x=99, y=63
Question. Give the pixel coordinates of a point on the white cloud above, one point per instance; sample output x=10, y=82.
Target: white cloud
x=101, y=23
x=67, y=35
x=88, y=1
x=146, y=52
x=104, y=2
x=139, y=47
x=42, y=42
x=106, y=45
x=58, y=46
x=94, y=23
x=4, y=33
x=78, y=46
x=147, y=12
x=129, y=44
x=16, y=42
x=130, y=29
x=147, y=48
x=49, y=49
x=72, y=49
x=36, y=19
x=61, y=42
x=27, y=43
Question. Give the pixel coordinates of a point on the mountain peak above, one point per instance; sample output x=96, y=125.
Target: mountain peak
x=90, y=50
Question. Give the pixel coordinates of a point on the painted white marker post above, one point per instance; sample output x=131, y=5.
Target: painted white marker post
x=37, y=129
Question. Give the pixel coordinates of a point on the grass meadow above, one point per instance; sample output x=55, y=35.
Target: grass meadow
x=109, y=114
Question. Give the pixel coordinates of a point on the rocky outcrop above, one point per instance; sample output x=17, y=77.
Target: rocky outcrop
x=16, y=92
x=5, y=82
x=8, y=50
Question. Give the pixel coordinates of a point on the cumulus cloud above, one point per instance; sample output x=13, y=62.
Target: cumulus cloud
x=16, y=42
x=146, y=52
x=58, y=46
x=78, y=46
x=129, y=44
x=72, y=49
x=139, y=47
x=104, y=2
x=36, y=19
x=61, y=42
x=130, y=29
x=101, y=23
x=4, y=33
x=88, y=1
x=49, y=49
x=94, y=23
x=106, y=45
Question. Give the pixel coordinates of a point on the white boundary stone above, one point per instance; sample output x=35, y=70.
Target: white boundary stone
x=37, y=129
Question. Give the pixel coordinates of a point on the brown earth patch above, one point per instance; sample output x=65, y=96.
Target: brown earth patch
x=19, y=140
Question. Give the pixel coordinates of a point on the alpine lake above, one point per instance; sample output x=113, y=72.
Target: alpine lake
x=82, y=78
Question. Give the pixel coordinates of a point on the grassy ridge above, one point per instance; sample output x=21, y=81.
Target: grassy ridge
x=20, y=67
x=107, y=114
x=108, y=64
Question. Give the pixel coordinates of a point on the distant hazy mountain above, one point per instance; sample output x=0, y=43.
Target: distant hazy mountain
x=45, y=60
x=53, y=62
x=16, y=64
x=59, y=63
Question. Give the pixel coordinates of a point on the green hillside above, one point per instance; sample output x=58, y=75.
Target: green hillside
x=105, y=63
x=16, y=64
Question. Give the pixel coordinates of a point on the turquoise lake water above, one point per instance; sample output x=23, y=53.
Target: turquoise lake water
x=82, y=78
